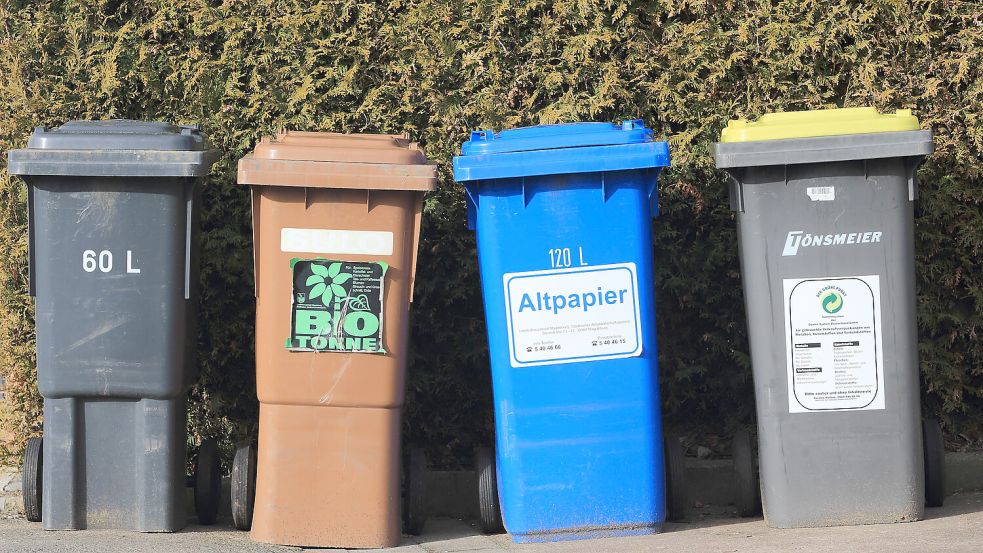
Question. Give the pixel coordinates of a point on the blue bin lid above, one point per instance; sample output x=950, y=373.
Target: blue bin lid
x=555, y=149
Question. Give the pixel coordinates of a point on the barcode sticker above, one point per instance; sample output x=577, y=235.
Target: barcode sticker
x=821, y=193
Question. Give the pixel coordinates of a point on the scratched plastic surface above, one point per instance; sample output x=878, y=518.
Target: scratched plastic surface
x=113, y=260
x=579, y=444
x=328, y=469
x=832, y=209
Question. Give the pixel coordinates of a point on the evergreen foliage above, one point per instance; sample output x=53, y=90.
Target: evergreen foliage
x=437, y=69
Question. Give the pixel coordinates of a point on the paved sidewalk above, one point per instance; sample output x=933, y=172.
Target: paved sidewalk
x=957, y=527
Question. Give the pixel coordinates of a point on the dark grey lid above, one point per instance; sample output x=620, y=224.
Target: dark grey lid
x=118, y=147
x=821, y=149
x=118, y=134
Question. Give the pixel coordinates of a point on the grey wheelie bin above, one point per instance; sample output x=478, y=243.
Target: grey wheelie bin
x=824, y=208
x=113, y=212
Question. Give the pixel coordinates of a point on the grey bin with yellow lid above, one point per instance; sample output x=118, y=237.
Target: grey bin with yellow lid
x=824, y=208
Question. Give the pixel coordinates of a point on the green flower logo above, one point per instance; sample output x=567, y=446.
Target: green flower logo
x=326, y=282
x=832, y=302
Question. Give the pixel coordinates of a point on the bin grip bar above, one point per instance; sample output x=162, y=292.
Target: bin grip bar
x=415, y=243
x=31, y=269
x=189, y=199
x=735, y=189
x=911, y=165
x=471, y=191
x=254, y=206
x=653, y=192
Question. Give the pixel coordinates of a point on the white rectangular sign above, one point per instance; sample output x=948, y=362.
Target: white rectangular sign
x=834, y=354
x=573, y=315
x=821, y=193
x=328, y=241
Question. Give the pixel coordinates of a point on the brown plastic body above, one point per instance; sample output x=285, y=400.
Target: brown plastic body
x=328, y=469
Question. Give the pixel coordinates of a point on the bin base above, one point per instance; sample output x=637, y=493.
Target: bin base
x=587, y=534
x=327, y=476
x=114, y=463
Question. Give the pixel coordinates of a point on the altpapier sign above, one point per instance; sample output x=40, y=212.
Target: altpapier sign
x=573, y=315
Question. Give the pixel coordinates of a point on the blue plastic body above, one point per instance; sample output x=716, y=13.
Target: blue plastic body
x=579, y=443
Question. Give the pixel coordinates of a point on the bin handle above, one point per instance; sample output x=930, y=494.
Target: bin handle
x=415, y=249
x=653, y=192
x=735, y=189
x=254, y=207
x=31, y=269
x=911, y=165
x=189, y=199
x=471, y=191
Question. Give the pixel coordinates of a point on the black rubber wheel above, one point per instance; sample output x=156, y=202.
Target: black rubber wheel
x=243, y=486
x=208, y=482
x=675, y=475
x=489, y=509
x=934, y=448
x=31, y=479
x=414, y=515
x=746, y=480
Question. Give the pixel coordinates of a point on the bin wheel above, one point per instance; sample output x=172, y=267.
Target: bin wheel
x=414, y=496
x=31, y=477
x=746, y=480
x=675, y=475
x=208, y=482
x=243, y=486
x=934, y=448
x=489, y=508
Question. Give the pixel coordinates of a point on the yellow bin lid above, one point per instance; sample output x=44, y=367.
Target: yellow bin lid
x=823, y=122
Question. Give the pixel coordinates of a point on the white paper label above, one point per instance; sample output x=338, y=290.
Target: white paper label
x=573, y=315
x=821, y=193
x=328, y=241
x=833, y=344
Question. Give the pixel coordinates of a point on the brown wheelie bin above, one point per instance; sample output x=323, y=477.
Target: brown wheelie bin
x=336, y=225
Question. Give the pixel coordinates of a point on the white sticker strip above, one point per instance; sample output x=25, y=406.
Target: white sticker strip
x=328, y=241
x=821, y=193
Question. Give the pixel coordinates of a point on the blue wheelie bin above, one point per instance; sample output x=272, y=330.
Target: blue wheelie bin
x=562, y=215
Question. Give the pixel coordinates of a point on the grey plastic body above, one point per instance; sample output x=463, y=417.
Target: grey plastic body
x=847, y=462
x=113, y=263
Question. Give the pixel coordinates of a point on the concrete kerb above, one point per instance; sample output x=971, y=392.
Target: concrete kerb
x=454, y=493
x=710, y=484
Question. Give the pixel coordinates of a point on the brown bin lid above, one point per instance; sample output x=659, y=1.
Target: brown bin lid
x=336, y=160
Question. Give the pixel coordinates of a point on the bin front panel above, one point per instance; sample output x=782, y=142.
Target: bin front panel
x=114, y=463
x=327, y=476
x=845, y=448
x=579, y=444
x=110, y=257
x=326, y=218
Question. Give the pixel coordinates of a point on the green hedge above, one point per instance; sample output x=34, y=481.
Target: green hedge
x=437, y=69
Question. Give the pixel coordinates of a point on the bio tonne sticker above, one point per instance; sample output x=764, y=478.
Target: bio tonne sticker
x=336, y=306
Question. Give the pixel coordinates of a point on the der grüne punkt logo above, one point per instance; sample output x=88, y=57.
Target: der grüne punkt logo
x=831, y=299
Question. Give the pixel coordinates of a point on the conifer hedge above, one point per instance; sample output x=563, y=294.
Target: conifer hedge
x=437, y=69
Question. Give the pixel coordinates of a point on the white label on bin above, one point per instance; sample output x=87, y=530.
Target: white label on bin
x=834, y=354
x=573, y=315
x=328, y=241
x=821, y=193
